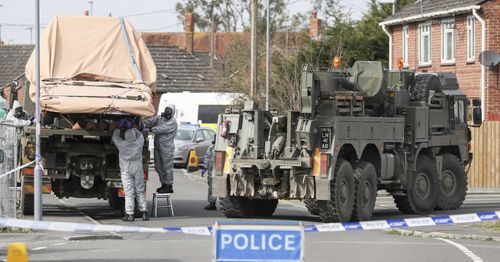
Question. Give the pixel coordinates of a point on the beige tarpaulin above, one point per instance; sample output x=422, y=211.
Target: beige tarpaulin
x=75, y=51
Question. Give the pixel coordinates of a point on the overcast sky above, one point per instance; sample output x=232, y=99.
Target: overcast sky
x=17, y=16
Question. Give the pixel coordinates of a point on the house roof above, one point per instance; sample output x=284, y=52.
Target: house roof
x=178, y=71
x=424, y=9
x=13, y=59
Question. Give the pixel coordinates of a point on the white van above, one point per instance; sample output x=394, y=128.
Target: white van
x=192, y=108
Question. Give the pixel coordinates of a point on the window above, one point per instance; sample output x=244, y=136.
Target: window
x=209, y=135
x=424, y=44
x=199, y=136
x=459, y=111
x=406, y=40
x=208, y=114
x=471, y=39
x=448, y=41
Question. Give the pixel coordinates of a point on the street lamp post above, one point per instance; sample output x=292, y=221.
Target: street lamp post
x=268, y=54
x=38, y=168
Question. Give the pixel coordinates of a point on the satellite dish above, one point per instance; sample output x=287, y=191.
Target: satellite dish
x=489, y=58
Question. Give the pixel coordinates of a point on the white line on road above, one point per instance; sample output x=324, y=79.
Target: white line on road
x=59, y=244
x=38, y=248
x=84, y=215
x=464, y=250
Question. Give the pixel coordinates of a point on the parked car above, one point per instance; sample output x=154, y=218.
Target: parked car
x=191, y=138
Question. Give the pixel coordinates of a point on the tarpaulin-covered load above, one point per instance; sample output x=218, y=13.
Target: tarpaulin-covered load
x=93, y=65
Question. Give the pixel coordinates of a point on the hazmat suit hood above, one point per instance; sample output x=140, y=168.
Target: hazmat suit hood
x=16, y=104
x=130, y=136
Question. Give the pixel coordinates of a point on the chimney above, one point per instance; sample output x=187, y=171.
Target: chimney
x=86, y=13
x=189, y=31
x=315, y=26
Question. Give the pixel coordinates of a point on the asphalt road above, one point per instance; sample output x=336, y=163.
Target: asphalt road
x=189, y=199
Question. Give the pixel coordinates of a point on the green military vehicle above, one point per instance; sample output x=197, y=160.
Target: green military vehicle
x=358, y=131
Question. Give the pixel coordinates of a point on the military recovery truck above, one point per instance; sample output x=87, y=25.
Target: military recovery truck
x=95, y=72
x=358, y=131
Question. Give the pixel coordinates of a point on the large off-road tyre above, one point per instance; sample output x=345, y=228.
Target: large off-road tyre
x=453, y=184
x=28, y=204
x=419, y=91
x=236, y=207
x=312, y=206
x=264, y=207
x=365, y=178
x=339, y=207
x=422, y=191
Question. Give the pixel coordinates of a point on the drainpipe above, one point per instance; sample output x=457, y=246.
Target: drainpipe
x=483, y=67
x=384, y=27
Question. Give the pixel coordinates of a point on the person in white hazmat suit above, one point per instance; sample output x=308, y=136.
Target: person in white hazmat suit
x=131, y=170
x=15, y=120
x=164, y=127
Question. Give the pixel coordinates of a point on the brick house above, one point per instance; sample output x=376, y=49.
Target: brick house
x=448, y=36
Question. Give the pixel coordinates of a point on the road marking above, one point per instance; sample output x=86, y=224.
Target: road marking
x=293, y=204
x=38, y=248
x=378, y=243
x=68, y=205
x=464, y=250
x=59, y=244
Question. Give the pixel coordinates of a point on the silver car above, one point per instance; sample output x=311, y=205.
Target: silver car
x=191, y=138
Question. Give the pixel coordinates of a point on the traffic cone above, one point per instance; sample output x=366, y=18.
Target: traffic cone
x=192, y=161
x=16, y=252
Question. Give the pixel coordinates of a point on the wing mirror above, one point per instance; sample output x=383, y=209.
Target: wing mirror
x=199, y=139
x=2, y=156
x=477, y=117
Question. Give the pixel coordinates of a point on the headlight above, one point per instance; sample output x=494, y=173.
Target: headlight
x=180, y=148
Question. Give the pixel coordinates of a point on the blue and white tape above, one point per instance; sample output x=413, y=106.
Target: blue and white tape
x=16, y=169
x=207, y=230
x=405, y=223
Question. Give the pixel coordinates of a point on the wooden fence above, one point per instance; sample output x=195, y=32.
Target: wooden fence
x=484, y=173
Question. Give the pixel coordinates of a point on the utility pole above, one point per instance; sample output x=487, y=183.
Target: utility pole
x=91, y=8
x=38, y=168
x=394, y=4
x=268, y=52
x=253, y=52
x=212, y=35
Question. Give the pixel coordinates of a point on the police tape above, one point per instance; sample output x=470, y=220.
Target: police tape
x=207, y=230
x=16, y=169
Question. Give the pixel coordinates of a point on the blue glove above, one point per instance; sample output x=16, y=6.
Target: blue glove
x=119, y=124
x=203, y=171
x=127, y=124
x=147, y=130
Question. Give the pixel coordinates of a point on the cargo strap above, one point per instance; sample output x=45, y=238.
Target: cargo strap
x=127, y=41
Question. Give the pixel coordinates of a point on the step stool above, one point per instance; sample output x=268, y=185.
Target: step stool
x=168, y=205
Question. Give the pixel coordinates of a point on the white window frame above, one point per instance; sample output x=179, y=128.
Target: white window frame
x=406, y=42
x=471, y=39
x=448, y=26
x=424, y=29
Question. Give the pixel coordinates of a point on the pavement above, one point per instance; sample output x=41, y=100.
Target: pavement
x=189, y=200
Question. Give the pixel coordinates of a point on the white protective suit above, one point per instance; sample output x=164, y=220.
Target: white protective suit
x=131, y=168
x=165, y=132
x=209, y=164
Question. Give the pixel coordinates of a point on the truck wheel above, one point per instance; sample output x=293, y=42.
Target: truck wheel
x=28, y=204
x=312, y=206
x=339, y=207
x=264, y=207
x=236, y=207
x=421, y=195
x=453, y=184
x=419, y=91
x=365, y=178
